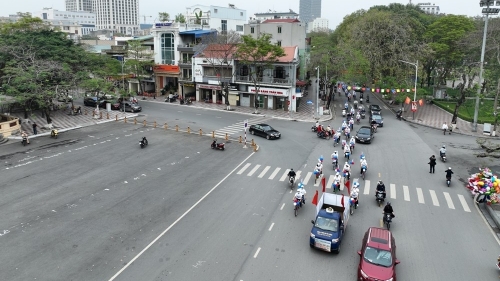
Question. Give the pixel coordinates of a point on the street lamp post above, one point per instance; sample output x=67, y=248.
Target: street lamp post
x=293, y=90
x=486, y=11
x=416, y=78
x=123, y=84
x=316, y=114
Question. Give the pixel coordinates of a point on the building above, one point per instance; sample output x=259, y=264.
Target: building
x=86, y=20
x=429, y=8
x=309, y=10
x=79, y=5
x=318, y=25
x=119, y=15
x=221, y=19
x=71, y=28
x=272, y=15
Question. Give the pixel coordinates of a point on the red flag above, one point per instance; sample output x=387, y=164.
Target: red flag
x=342, y=201
x=420, y=102
x=407, y=100
x=323, y=182
x=348, y=185
x=315, y=198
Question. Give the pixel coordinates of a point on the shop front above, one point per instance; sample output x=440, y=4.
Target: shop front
x=188, y=90
x=268, y=98
x=208, y=93
x=166, y=78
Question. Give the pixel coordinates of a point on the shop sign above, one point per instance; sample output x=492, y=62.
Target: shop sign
x=188, y=85
x=269, y=91
x=205, y=86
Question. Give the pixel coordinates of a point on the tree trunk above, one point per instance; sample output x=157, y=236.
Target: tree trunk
x=47, y=115
x=226, y=96
x=495, y=106
x=460, y=100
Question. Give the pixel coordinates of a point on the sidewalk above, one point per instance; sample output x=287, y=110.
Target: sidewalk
x=305, y=111
x=62, y=121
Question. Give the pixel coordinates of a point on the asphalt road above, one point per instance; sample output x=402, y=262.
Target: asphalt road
x=84, y=206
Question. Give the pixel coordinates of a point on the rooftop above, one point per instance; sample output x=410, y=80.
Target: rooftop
x=280, y=20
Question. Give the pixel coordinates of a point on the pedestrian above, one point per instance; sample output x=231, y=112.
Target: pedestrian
x=34, y=128
x=432, y=164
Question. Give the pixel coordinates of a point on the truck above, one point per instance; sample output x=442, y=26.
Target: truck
x=332, y=215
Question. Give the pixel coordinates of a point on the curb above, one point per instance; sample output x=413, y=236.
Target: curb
x=490, y=212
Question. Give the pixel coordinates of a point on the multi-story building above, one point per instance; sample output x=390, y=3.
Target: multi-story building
x=79, y=5
x=272, y=15
x=119, y=15
x=318, y=25
x=221, y=19
x=429, y=8
x=71, y=28
x=85, y=19
x=309, y=10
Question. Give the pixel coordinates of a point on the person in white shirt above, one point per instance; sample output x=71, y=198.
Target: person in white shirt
x=347, y=132
x=317, y=124
x=347, y=149
x=355, y=193
x=336, y=181
x=351, y=123
x=344, y=125
x=25, y=135
x=335, y=158
x=444, y=128
x=320, y=167
x=363, y=163
x=442, y=151
x=352, y=142
x=347, y=170
x=358, y=117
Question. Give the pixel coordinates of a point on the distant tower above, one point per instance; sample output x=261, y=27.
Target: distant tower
x=119, y=15
x=78, y=5
x=309, y=10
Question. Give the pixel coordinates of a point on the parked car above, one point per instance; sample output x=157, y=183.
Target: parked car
x=93, y=101
x=375, y=108
x=115, y=105
x=130, y=107
x=264, y=130
x=364, y=134
x=377, y=256
x=378, y=118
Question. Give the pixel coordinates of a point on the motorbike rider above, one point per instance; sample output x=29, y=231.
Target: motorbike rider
x=317, y=124
x=373, y=124
x=381, y=188
x=214, y=143
x=347, y=170
x=144, y=140
x=442, y=151
x=444, y=128
x=344, y=124
x=335, y=155
x=291, y=174
x=319, y=166
x=358, y=117
x=329, y=130
x=399, y=113
x=25, y=135
x=351, y=122
x=347, y=149
x=388, y=209
x=352, y=141
x=352, y=111
x=298, y=197
x=364, y=164
x=448, y=172
x=336, y=181
x=347, y=132
x=355, y=192
x=346, y=105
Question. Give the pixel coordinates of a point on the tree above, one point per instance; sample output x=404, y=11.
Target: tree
x=163, y=16
x=139, y=61
x=258, y=54
x=180, y=18
x=219, y=53
x=198, y=17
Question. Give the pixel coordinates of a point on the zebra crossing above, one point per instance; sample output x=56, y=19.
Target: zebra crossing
x=238, y=127
x=393, y=191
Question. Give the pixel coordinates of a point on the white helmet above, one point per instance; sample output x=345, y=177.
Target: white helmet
x=444, y=146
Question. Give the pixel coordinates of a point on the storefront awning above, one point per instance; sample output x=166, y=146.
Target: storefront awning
x=198, y=32
x=300, y=83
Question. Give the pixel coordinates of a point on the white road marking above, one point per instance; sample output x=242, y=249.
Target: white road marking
x=282, y=206
x=243, y=169
x=274, y=173
x=330, y=181
x=271, y=227
x=434, y=198
x=464, y=203
x=393, y=191
x=256, y=253
x=448, y=200
x=178, y=220
x=264, y=171
x=406, y=193
x=283, y=177
x=297, y=175
x=367, y=187
x=308, y=176
x=420, y=196
x=253, y=170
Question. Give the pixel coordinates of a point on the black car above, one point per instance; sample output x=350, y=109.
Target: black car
x=378, y=118
x=375, y=108
x=364, y=134
x=93, y=101
x=264, y=130
x=130, y=106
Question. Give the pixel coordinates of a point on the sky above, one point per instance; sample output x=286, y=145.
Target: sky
x=333, y=10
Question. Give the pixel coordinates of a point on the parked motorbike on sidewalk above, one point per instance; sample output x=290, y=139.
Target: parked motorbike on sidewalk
x=216, y=145
x=399, y=114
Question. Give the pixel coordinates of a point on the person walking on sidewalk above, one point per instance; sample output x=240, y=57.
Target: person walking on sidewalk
x=432, y=164
x=34, y=128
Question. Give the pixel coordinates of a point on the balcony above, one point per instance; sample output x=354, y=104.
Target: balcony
x=189, y=48
x=185, y=63
x=265, y=80
x=186, y=78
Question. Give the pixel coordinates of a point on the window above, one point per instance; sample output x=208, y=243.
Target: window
x=215, y=11
x=223, y=25
x=252, y=29
x=239, y=28
x=278, y=43
x=241, y=13
x=279, y=30
x=244, y=70
x=279, y=72
x=167, y=48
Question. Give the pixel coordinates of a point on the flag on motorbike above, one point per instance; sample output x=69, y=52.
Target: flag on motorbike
x=323, y=182
x=348, y=186
x=407, y=100
x=420, y=102
x=315, y=199
x=342, y=201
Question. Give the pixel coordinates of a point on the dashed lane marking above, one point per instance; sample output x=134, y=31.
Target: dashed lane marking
x=406, y=193
x=393, y=191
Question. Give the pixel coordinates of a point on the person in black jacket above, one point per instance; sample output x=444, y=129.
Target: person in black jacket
x=388, y=209
x=432, y=164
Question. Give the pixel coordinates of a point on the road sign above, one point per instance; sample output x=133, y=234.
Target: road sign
x=413, y=106
x=245, y=124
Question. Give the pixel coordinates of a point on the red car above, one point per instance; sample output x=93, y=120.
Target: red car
x=377, y=256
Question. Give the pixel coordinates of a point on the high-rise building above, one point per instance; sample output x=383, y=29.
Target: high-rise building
x=86, y=20
x=118, y=15
x=79, y=5
x=429, y=8
x=309, y=10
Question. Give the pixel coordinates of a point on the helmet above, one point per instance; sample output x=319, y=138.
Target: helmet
x=291, y=169
x=388, y=203
x=337, y=174
x=362, y=157
x=449, y=168
x=380, y=182
x=444, y=146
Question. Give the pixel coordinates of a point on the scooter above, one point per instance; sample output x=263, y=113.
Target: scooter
x=336, y=186
x=344, y=112
x=379, y=197
x=291, y=180
x=398, y=115
x=443, y=157
x=351, y=145
x=448, y=181
x=314, y=128
x=335, y=163
x=363, y=114
x=143, y=142
x=363, y=172
x=374, y=128
x=387, y=220
x=54, y=133
x=296, y=205
x=323, y=135
x=354, y=204
x=347, y=155
x=24, y=141
x=216, y=145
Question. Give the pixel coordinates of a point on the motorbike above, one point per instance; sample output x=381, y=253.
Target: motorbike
x=354, y=204
x=387, y=220
x=335, y=163
x=368, y=99
x=336, y=186
x=143, y=142
x=448, y=181
x=347, y=155
x=216, y=145
x=358, y=120
x=54, y=133
x=443, y=157
x=351, y=145
x=363, y=172
x=379, y=197
x=323, y=135
x=398, y=115
x=374, y=128
x=363, y=114
x=314, y=128
x=296, y=205
x=24, y=141
x=335, y=139
x=291, y=180
x=344, y=112
x=361, y=100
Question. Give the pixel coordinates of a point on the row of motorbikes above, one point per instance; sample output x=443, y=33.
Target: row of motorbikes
x=54, y=133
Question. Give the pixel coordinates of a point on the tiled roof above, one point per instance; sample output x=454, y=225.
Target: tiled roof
x=289, y=54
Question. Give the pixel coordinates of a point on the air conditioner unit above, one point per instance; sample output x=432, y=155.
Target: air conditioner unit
x=173, y=62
